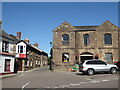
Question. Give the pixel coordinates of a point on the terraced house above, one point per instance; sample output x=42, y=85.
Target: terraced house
x=30, y=56
x=74, y=44
x=13, y=49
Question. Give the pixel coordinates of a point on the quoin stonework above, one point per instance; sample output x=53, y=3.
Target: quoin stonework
x=74, y=44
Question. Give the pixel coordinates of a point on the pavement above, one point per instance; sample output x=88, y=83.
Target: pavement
x=19, y=73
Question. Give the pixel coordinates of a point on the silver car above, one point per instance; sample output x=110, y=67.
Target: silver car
x=92, y=66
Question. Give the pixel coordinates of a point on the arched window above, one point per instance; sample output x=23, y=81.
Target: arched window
x=65, y=57
x=65, y=39
x=107, y=38
x=86, y=39
x=108, y=57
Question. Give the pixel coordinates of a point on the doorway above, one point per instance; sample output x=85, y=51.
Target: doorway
x=20, y=64
x=86, y=56
x=7, y=64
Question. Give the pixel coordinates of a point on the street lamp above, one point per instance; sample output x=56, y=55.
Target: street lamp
x=50, y=44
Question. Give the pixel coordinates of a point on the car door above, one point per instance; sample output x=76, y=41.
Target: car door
x=102, y=66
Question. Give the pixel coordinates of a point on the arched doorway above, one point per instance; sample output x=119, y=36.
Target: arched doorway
x=86, y=56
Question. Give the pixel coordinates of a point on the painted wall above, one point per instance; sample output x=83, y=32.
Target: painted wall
x=24, y=49
x=2, y=63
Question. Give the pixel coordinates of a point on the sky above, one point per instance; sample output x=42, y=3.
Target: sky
x=36, y=20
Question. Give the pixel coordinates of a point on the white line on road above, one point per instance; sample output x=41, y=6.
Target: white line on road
x=64, y=86
x=105, y=80
x=94, y=81
x=88, y=79
x=72, y=84
x=82, y=82
x=116, y=78
x=25, y=85
x=55, y=87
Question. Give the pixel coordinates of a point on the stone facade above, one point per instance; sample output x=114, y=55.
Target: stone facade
x=77, y=50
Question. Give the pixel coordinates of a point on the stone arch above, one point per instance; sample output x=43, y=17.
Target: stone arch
x=86, y=56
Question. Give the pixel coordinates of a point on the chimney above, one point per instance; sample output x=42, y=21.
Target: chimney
x=26, y=40
x=36, y=45
x=19, y=35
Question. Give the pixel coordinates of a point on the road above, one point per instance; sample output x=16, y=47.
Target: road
x=42, y=78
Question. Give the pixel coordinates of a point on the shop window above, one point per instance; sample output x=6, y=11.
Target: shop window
x=5, y=46
x=65, y=39
x=65, y=57
x=107, y=38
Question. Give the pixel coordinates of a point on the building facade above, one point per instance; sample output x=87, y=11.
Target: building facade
x=7, y=52
x=13, y=49
x=30, y=56
x=74, y=44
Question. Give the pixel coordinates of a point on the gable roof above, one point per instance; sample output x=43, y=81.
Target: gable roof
x=107, y=25
x=64, y=25
x=22, y=41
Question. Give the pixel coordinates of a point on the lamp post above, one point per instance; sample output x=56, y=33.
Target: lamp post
x=50, y=44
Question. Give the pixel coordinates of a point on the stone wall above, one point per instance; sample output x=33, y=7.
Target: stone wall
x=76, y=42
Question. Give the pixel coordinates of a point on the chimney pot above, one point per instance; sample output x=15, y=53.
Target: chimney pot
x=35, y=44
x=19, y=35
x=27, y=40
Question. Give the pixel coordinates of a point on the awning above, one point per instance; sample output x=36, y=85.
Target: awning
x=66, y=55
x=86, y=55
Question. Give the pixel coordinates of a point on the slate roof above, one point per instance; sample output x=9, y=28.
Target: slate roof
x=6, y=36
x=86, y=27
x=14, y=38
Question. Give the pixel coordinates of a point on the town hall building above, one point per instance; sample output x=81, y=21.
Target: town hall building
x=74, y=44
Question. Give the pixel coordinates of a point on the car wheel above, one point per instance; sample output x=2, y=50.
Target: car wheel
x=113, y=70
x=90, y=71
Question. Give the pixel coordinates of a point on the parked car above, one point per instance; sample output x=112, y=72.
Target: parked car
x=92, y=66
x=118, y=65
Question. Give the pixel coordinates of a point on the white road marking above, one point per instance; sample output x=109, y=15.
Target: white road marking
x=105, y=80
x=63, y=86
x=88, y=79
x=25, y=85
x=116, y=78
x=72, y=84
x=55, y=87
x=66, y=86
x=94, y=81
x=82, y=82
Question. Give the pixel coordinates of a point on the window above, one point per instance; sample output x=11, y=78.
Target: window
x=5, y=46
x=20, y=49
x=108, y=57
x=65, y=57
x=101, y=62
x=7, y=64
x=107, y=39
x=65, y=39
x=91, y=62
x=86, y=39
